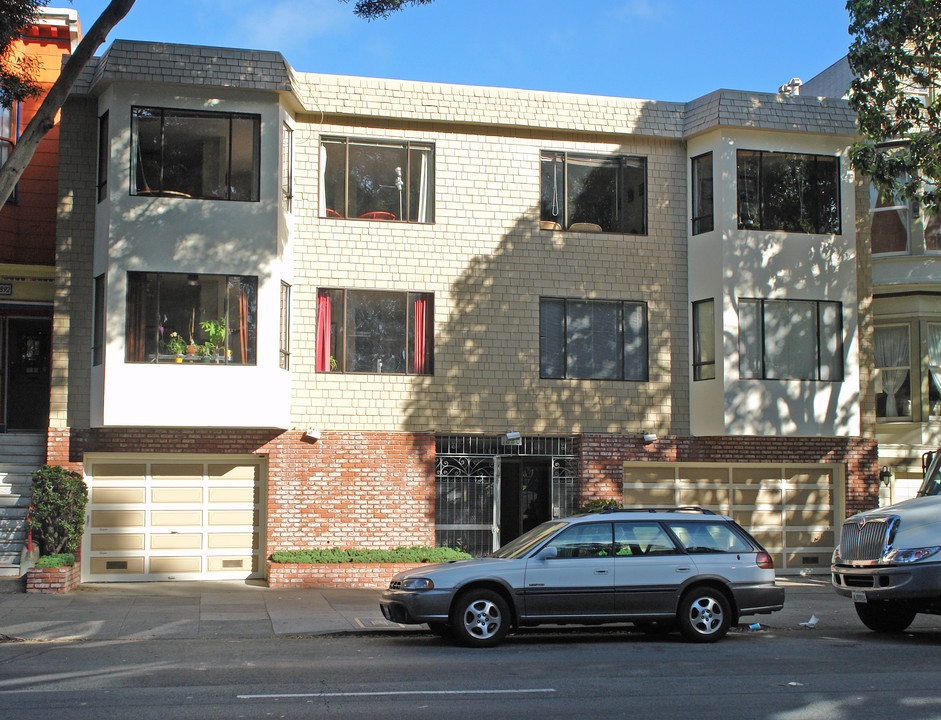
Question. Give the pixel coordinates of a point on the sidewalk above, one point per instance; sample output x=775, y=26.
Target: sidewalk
x=236, y=609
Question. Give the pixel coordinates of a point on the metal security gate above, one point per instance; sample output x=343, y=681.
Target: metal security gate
x=159, y=519
x=468, y=486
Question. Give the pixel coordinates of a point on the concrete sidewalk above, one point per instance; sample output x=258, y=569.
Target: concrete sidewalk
x=128, y=611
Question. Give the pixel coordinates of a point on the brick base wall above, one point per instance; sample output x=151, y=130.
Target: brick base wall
x=53, y=580
x=602, y=459
x=334, y=575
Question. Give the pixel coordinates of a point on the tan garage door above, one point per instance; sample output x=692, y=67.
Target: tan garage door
x=180, y=520
x=789, y=509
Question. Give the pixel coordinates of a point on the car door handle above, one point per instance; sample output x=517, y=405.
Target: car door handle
x=601, y=572
x=682, y=569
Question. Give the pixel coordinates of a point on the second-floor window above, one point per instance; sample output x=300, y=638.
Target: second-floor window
x=195, y=154
x=8, y=123
x=593, y=193
x=592, y=339
x=789, y=192
x=375, y=331
x=191, y=318
x=701, y=170
x=377, y=180
x=892, y=357
x=888, y=231
x=704, y=340
x=790, y=339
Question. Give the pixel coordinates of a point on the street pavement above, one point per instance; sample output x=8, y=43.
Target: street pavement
x=246, y=609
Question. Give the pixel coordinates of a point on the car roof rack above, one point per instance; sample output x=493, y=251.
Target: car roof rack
x=656, y=509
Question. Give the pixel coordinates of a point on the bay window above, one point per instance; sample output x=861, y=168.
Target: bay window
x=892, y=356
x=179, y=317
x=889, y=224
x=195, y=154
x=375, y=331
x=593, y=339
x=790, y=339
x=704, y=340
x=377, y=180
x=701, y=171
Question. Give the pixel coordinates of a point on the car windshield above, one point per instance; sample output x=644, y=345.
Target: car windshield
x=527, y=541
x=932, y=483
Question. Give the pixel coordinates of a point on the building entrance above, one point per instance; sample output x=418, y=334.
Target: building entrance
x=27, y=354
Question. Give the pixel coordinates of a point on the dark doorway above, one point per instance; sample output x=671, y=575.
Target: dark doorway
x=525, y=495
x=26, y=373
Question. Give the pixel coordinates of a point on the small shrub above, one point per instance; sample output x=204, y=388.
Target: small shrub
x=354, y=555
x=56, y=561
x=57, y=516
x=599, y=504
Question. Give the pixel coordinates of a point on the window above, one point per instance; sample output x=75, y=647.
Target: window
x=98, y=333
x=284, y=342
x=194, y=154
x=9, y=120
x=790, y=339
x=104, y=156
x=934, y=369
x=175, y=317
x=590, y=540
x=287, y=166
x=789, y=192
x=889, y=222
x=377, y=180
x=892, y=355
x=641, y=538
x=709, y=537
x=375, y=331
x=701, y=168
x=591, y=193
x=704, y=340
x=592, y=339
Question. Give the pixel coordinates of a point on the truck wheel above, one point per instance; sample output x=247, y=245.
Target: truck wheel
x=885, y=616
x=480, y=618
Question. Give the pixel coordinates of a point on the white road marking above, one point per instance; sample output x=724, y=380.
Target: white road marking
x=395, y=692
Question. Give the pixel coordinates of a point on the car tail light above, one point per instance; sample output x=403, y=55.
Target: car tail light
x=764, y=561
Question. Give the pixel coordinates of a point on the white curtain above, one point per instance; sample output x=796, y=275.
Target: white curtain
x=424, y=187
x=323, y=173
x=934, y=357
x=892, y=359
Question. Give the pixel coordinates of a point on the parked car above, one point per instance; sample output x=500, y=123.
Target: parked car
x=889, y=559
x=659, y=568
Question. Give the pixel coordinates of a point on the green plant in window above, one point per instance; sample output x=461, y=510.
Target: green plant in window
x=333, y=363
x=176, y=345
x=215, y=332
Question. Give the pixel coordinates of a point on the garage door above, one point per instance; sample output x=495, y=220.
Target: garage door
x=159, y=520
x=789, y=509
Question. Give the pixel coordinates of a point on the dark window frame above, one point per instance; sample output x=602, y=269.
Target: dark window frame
x=404, y=179
x=643, y=374
x=702, y=222
x=287, y=166
x=8, y=142
x=748, y=221
x=762, y=374
x=98, y=319
x=104, y=155
x=703, y=369
x=284, y=334
x=161, y=191
x=559, y=203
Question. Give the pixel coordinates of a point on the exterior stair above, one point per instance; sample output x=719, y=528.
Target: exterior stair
x=20, y=454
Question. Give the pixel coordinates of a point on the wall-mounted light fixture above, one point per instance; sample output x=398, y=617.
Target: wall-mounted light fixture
x=650, y=438
x=312, y=434
x=512, y=437
x=885, y=475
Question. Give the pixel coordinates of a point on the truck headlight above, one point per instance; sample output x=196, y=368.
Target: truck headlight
x=417, y=583
x=904, y=556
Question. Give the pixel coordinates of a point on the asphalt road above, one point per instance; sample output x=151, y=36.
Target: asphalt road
x=769, y=674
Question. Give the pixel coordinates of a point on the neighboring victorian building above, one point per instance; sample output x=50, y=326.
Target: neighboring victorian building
x=298, y=310
x=906, y=310
x=27, y=277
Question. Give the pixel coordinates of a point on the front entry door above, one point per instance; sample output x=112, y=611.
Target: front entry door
x=27, y=363
x=525, y=495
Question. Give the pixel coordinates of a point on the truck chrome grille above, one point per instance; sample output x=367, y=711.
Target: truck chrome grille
x=866, y=541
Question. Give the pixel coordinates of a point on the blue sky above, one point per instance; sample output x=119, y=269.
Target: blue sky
x=674, y=50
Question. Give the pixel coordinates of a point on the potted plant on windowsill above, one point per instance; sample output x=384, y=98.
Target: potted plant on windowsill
x=215, y=332
x=176, y=345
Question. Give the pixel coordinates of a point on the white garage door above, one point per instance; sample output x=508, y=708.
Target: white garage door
x=790, y=509
x=172, y=520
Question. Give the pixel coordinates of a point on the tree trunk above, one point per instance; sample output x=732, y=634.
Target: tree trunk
x=44, y=119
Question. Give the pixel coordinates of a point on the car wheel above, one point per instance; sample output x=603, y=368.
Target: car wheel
x=704, y=615
x=885, y=616
x=441, y=629
x=480, y=618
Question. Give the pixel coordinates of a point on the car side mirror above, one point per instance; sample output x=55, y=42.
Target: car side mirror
x=549, y=553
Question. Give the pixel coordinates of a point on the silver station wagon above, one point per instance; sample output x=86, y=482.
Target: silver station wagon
x=658, y=568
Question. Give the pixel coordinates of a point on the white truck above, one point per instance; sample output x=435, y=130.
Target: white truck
x=889, y=559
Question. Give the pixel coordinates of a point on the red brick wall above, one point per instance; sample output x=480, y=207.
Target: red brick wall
x=602, y=458
x=363, y=575
x=54, y=580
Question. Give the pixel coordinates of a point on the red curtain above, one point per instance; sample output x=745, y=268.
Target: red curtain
x=323, y=332
x=421, y=318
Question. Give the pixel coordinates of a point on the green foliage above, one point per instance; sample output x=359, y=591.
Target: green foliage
x=57, y=515
x=374, y=9
x=56, y=561
x=600, y=504
x=17, y=74
x=176, y=345
x=398, y=555
x=215, y=332
x=896, y=58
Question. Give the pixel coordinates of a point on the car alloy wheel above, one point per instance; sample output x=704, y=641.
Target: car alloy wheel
x=704, y=615
x=480, y=618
